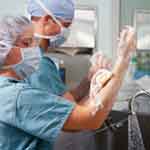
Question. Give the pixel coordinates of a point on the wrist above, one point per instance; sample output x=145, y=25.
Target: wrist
x=123, y=61
x=121, y=66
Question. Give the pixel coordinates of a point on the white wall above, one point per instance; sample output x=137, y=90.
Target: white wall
x=12, y=7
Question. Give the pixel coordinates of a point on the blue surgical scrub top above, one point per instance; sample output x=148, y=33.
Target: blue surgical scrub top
x=47, y=77
x=30, y=118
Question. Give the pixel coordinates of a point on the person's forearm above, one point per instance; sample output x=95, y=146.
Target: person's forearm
x=109, y=93
x=82, y=116
x=118, y=73
x=81, y=90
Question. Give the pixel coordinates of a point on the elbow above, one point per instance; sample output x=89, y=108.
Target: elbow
x=93, y=126
x=95, y=123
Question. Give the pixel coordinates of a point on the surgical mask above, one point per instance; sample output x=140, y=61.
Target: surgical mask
x=30, y=62
x=55, y=40
x=58, y=39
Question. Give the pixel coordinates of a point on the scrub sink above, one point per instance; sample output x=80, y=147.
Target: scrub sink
x=116, y=136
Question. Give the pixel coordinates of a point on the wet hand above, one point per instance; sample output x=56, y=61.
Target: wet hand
x=99, y=61
x=127, y=43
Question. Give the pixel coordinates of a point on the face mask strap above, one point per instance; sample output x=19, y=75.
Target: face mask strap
x=44, y=36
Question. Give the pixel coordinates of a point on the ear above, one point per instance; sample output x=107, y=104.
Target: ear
x=13, y=57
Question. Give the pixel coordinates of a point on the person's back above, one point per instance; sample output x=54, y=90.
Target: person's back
x=8, y=130
x=11, y=137
x=28, y=117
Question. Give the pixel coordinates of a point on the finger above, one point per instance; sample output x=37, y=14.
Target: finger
x=123, y=35
x=126, y=29
x=105, y=63
x=109, y=64
x=131, y=36
x=95, y=57
x=131, y=42
x=99, y=61
x=131, y=33
x=99, y=53
x=93, y=81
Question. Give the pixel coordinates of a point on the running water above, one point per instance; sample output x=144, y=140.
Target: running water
x=135, y=140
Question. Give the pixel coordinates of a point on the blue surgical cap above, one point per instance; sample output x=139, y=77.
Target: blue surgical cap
x=63, y=9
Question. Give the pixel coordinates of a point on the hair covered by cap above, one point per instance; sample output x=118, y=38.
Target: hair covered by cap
x=63, y=9
x=10, y=29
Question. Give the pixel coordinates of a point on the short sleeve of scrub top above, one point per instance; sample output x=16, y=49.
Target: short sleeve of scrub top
x=42, y=114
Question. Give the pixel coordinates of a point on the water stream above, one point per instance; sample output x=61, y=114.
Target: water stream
x=135, y=140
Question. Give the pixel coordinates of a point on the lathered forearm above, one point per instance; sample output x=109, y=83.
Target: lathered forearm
x=108, y=94
x=82, y=118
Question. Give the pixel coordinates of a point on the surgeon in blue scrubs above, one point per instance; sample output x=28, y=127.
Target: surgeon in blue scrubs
x=31, y=118
x=47, y=77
